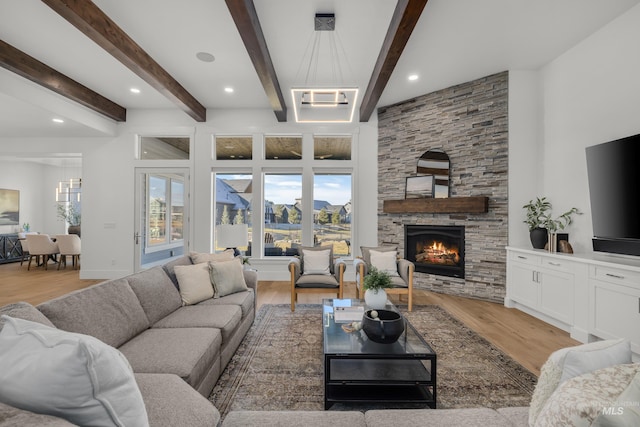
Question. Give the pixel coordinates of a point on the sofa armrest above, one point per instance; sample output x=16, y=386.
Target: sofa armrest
x=295, y=269
x=405, y=269
x=251, y=279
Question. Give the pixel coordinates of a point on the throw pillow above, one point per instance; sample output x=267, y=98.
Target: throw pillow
x=596, y=355
x=581, y=361
x=197, y=257
x=580, y=400
x=385, y=261
x=366, y=252
x=625, y=410
x=195, y=283
x=317, y=262
x=73, y=376
x=227, y=277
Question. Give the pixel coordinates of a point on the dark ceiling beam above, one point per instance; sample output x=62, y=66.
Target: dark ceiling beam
x=404, y=20
x=90, y=20
x=246, y=19
x=30, y=68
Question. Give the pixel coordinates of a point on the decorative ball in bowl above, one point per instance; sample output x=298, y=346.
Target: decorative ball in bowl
x=383, y=326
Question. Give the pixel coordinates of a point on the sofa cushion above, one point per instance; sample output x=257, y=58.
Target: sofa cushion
x=579, y=400
x=186, y=352
x=296, y=418
x=224, y=317
x=73, y=376
x=245, y=300
x=11, y=416
x=200, y=257
x=156, y=292
x=582, y=358
x=195, y=283
x=24, y=310
x=172, y=402
x=227, y=277
x=468, y=417
x=170, y=266
x=109, y=311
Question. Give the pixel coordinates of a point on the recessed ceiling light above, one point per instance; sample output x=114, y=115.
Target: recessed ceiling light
x=412, y=77
x=205, y=57
x=134, y=90
x=228, y=89
x=57, y=120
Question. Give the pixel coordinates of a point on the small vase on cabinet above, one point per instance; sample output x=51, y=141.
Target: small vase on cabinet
x=539, y=237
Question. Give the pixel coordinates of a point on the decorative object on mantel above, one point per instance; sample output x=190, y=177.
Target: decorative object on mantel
x=418, y=187
x=543, y=228
x=436, y=163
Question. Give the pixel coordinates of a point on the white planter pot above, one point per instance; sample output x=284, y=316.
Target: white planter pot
x=375, y=299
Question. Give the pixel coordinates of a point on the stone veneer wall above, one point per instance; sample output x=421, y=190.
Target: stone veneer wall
x=468, y=122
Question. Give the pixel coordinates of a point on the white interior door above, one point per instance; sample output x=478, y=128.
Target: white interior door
x=161, y=216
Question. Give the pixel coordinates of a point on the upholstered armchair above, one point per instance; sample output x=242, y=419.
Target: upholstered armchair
x=69, y=245
x=385, y=258
x=315, y=271
x=41, y=245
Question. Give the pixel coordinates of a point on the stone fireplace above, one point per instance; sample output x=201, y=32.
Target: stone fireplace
x=435, y=249
x=469, y=123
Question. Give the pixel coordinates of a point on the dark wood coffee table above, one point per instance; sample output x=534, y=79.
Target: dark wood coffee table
x=357, y=370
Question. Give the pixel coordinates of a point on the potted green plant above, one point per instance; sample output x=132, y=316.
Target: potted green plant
x=374, y=285
x=536, y=214
x=71, y=215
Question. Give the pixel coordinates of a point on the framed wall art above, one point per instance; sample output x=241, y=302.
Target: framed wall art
x=9, y=207
x=419, y=187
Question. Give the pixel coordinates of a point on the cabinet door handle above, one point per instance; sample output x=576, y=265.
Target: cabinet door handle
x=638, y=305
x=522, y=257
x=615, y=276
x=555, y=264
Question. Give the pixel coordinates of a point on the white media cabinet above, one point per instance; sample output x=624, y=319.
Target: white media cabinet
x=592, y=296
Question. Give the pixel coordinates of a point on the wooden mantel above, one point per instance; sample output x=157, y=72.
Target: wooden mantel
x=476, y=204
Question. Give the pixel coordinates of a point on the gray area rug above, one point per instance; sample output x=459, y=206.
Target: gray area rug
x=278, y=366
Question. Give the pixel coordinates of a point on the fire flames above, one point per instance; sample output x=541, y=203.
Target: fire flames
x=438, y=253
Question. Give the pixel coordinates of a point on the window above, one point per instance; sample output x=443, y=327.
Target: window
x=165, y=195
x=164, y=148
x=332, y=147
x=233, y=196
x=332, y=211
x=234, y=148
x=282, y=213
x=283, y=147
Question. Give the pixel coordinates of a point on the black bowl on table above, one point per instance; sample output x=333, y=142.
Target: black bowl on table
x=385, y=329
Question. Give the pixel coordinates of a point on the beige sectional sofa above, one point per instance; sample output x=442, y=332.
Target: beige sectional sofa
x=176, y=352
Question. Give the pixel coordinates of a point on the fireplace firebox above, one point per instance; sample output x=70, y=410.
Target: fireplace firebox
x=435, y=249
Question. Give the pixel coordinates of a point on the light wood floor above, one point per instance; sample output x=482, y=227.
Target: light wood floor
x=526, y=339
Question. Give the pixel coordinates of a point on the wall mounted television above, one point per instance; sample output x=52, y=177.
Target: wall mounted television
x=613, y=170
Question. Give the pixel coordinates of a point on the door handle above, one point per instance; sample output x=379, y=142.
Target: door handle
x=136, y=238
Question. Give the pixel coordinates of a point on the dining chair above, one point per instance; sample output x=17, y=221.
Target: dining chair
x=69, y=245
x=41, y=245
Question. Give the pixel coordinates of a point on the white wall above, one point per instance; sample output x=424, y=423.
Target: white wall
x=589, y=96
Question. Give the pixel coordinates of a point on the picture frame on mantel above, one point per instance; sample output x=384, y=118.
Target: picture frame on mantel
x=419, y=187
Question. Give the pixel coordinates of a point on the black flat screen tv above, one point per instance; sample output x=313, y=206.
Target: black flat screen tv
x=613, y=170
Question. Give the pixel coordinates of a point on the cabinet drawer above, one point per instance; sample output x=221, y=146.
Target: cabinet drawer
x=616, y=276
x=525, y=258
x=557, y=264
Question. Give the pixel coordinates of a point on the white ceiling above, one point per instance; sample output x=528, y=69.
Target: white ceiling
x=455, y=41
